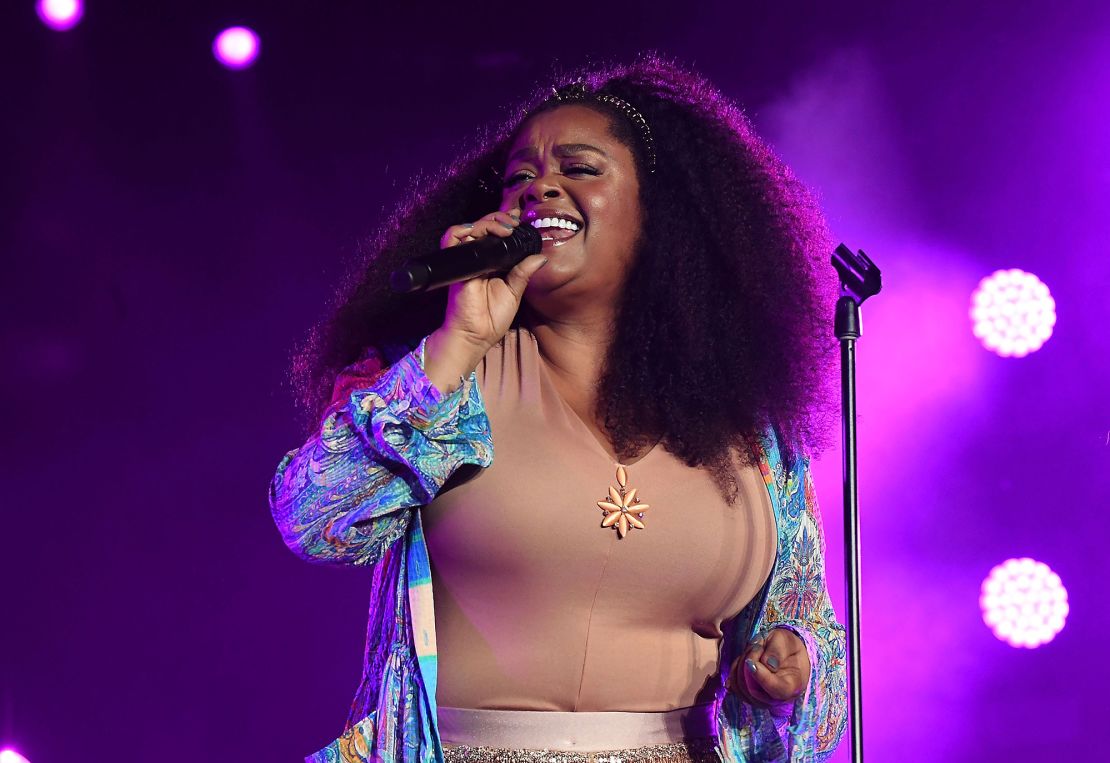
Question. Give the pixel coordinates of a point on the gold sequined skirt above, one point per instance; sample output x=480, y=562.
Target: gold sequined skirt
x=686, y=735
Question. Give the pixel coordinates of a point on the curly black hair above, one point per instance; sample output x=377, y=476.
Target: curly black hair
x=728, y=332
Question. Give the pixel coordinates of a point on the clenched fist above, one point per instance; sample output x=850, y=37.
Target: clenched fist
x=773, y=672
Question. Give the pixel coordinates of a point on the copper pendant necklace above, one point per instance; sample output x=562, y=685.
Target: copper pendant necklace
x=622, y=508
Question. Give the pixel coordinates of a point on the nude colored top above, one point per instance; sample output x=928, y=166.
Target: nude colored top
x=537, y=607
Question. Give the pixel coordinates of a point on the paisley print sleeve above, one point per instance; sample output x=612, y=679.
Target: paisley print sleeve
x=798, y=599
x=387, y=443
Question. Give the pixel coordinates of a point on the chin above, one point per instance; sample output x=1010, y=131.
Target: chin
x=547, y=282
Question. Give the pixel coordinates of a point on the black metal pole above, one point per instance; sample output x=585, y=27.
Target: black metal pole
x=859, y=279
x=847, y=331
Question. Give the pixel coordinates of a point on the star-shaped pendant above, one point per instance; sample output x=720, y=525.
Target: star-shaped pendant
x=622, y=509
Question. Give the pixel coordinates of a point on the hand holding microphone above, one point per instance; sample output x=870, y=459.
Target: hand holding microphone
x=469, y=252
x=481, y=309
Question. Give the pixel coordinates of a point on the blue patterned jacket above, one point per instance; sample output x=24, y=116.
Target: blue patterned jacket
x=387, y=444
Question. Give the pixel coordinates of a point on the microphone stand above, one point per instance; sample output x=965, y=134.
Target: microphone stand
x=859, y=279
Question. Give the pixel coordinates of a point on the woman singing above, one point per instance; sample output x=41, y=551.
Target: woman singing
x=598, y=461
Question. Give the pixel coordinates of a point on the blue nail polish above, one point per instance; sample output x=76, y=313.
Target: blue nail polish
x=507, y=226
x=751, y=665
x=773, y=662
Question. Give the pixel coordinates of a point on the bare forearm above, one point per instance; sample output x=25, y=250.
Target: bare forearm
x=448, y=358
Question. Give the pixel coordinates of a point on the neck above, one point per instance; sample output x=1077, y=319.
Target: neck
x=574, y=348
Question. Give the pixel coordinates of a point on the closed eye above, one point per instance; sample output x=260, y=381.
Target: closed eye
x=580, y=169
x=516, y=178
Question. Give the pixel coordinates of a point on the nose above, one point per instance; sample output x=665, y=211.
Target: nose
x=542, y=187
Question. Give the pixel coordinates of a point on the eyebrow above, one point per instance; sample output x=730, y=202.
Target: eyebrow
x=562, y=151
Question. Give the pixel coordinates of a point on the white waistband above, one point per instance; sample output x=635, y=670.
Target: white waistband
x=544, y=730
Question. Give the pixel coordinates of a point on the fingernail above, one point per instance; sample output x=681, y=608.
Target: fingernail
x=468, y=225
x=751, y=665
x=773, y=662
x=515, y=217
x=542, y=263
x=507, y=226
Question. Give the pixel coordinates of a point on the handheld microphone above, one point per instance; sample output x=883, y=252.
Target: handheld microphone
x=491, y=254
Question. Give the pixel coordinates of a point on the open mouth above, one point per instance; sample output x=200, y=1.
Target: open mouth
x=557, y=229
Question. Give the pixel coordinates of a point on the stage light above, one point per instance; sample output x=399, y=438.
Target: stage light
x=1024, y=603
x=60, y=14
x=1012, y=313
x=9, y=755
x=236, y=47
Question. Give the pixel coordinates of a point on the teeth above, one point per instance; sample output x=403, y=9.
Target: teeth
x=554, y=222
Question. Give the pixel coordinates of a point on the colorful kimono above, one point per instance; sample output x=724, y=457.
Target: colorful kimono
x=388, y=443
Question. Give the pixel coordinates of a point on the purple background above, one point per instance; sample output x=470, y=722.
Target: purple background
x=171, y=229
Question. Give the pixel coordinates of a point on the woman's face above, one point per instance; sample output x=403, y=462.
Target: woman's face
x=570, y=178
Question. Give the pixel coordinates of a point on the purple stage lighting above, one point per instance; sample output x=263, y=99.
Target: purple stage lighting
x=236, y=47
x=1024, y=603
x=60, y=14
x=9, y=755
x=1012, y=313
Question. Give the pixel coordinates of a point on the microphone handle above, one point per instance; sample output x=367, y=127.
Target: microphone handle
x=474, y=262
x=465, y=261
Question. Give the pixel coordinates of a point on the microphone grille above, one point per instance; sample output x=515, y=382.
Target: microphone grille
x=525, y=240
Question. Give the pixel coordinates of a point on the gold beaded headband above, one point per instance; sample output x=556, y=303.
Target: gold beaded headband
x=577, y=91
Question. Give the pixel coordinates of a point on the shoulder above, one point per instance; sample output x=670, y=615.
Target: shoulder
x=371, y=363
